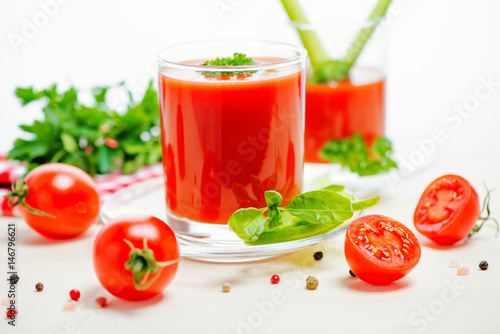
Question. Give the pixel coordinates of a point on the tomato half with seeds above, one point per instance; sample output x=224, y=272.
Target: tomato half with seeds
x=135, y=256
x=447, y=210
x=380, y=250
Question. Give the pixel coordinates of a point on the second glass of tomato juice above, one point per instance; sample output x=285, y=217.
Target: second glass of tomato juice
x=229, y=132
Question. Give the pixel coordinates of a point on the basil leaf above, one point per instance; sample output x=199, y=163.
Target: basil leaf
x=365, y=204
x=334, y=187
x=321, y=206
x=248, y=223
x=273, y=200
x=294, y=231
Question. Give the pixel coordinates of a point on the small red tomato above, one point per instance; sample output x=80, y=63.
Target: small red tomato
x=74, y=295
x=57, y=200
x=380, y=250
x=448, y=210
x=135, y=256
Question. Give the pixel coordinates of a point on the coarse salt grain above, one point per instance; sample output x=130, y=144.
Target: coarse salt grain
x=69, y=306
x=6, y=301
x=454, y=264
x=464, y=271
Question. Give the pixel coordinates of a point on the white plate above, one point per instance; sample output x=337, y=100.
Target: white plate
x=148, y=197
x=410, y=157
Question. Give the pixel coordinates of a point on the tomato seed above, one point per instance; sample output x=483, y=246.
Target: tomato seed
x=275, y=279
x=39, y=287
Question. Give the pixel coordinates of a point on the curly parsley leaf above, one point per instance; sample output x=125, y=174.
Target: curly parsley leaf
x=353, y=153
x=238, y=59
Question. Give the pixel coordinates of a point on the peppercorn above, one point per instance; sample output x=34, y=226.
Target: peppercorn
x=318, y=256
x=226, y=287
x=312, y=283
x=483, y=265
x=74, y=295
x=351, y=273
x=14, y=278
x=39, y=287
x=101, y=302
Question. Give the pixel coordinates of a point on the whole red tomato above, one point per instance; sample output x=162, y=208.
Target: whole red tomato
x=135, y=256
x=57, y=200
x=380, y=250
x=448, y=210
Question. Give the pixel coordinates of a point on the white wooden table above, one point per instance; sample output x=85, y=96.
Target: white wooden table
x=431, y=299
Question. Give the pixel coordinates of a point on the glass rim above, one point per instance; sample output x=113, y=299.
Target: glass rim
x=314, y=25
x=301, y=56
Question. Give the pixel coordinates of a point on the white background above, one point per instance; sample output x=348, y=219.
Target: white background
x=437, y=52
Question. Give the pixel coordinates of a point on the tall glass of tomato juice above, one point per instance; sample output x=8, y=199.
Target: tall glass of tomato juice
x=338, y=110
x=229, y=133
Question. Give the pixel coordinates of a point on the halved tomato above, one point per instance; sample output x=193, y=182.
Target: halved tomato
x=380, y=250
x=448, y=210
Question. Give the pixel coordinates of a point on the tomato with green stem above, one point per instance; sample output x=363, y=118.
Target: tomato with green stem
x=57, y=200
x=135, y=256
x=448, y=210
x=380, y=250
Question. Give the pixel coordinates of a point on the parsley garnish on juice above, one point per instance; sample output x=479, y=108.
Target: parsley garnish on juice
x=308, y=214
x=238, y=59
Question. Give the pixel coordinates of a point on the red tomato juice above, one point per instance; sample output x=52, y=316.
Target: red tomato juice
x=227, y=141
x=343, y=109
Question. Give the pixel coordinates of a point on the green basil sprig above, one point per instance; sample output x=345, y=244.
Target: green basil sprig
x=308, y=214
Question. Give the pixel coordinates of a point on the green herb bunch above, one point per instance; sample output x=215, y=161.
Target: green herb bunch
x=238, y=59
x=95, y=138
x=354, y=153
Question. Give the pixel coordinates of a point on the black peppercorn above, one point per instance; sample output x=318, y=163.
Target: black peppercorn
x=351, y=273
x=14, y=278
x=318, y=256
x=483, y=265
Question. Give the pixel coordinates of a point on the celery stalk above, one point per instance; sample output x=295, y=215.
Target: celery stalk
x=326, y=69
x=365, y=33
x=310, y=40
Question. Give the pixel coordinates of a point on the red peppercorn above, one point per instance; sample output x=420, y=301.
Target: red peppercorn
x=11, y=314
x=101, y=302
x=275, y=279
x=74, y=295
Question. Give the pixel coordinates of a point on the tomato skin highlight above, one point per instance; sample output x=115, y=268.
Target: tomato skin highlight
x=456, y=215
x=111, y=253
x=365, y=237
x=65, y=192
